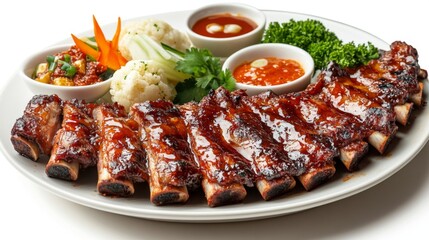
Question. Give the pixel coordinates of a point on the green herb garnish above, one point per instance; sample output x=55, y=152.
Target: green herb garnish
x=67, y=58
x=69, y=69
x=323, y=45
x=52, y=64
x=205, y=71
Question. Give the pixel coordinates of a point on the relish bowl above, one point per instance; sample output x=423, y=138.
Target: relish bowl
x=273, y=50
x=89, y=93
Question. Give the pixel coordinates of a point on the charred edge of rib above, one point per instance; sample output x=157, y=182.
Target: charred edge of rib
x=316, y=177
x=351, y=155
x=63, y=170
x=403, y=113
x=270, y=189
x=168, y=196
x=417, y=98
x=218, y=195
x=116, y=188
x=25, y=148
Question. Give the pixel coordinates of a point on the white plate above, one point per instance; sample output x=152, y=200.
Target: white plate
x=408, y=143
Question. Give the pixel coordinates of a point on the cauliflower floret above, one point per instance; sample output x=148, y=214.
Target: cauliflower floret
x=139, y=81
x=158, y=30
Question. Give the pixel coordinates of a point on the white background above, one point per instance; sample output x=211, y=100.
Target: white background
x=397, y=208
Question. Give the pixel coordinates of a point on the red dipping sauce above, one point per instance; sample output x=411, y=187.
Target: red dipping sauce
x=223, y=26
x=268, y=71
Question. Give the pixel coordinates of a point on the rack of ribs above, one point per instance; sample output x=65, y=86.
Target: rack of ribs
x=228, y=142
x=172, y=169
x=75, y=143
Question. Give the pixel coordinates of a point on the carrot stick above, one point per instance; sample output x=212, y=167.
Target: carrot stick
x=121, y=61
x=103, y=44
x=108, y=53
x=85, y=48
x=115, y=40
x=113, y=61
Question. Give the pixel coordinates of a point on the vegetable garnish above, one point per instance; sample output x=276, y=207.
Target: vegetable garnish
x=52, y=63
x=142, y=47
x=68, y=68
x=114, y=50
x=346, y=55
x=323, y=45
x=107, y=52
x=66, y=65
x=206, y=74
x=85, y=48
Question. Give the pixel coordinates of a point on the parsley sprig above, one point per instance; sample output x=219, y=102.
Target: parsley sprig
x=205, y=71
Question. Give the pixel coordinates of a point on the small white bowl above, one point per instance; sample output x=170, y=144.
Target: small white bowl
x=278, y=50
x=88, y=93
x=224, y=47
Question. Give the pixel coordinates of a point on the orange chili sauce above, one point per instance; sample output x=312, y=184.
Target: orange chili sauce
x=246, y=25
x=276, y=71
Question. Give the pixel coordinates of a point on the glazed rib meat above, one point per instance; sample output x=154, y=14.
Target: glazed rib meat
x=347, y=99
x=391, y=80
x=375, y=94
x=121, y=158
x=33, y=133
x=341, y=128
x=172, y=168
x=399, y=66
x=223, y=170
x=375, y=119
x=75, y=143
x=241, y=129
x=343, y=131
x=313, y=154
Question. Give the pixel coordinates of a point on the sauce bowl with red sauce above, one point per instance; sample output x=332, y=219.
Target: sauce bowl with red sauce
x=89, y=93
x=225, y=28
x=276, y=67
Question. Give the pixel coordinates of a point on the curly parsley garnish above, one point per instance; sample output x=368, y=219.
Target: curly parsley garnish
x=323, y=45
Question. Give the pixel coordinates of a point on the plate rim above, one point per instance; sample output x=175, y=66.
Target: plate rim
x=235, y=214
